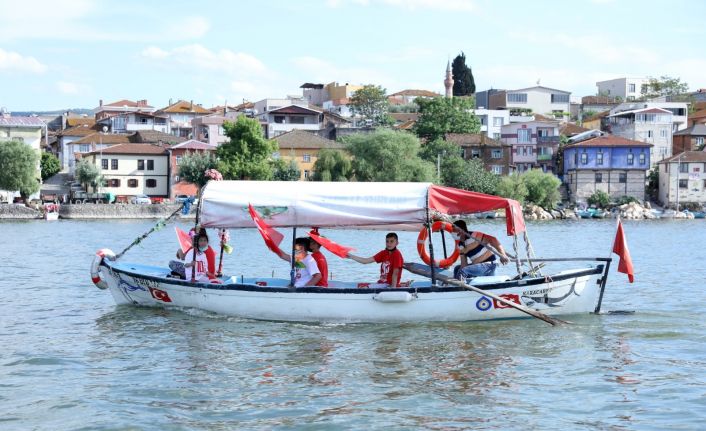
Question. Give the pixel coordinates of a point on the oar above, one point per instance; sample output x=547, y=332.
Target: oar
x=421, y=270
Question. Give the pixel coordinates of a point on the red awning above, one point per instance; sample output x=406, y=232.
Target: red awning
x=456, y=202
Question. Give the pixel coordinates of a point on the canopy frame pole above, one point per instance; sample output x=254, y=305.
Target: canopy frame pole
x=292, y=271
x=443, y=243
x=194, y=243
x=431, y=246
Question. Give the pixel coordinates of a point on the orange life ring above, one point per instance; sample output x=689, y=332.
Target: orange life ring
x=422, y=241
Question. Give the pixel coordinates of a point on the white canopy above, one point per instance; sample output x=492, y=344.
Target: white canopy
x=224, y=204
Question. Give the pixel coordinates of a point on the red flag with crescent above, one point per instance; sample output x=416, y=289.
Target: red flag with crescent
x=337, y=249
x=620, y=247
x=272, y=237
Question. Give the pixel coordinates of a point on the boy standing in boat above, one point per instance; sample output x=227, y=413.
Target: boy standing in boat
x=390, y=260
x=306, y=271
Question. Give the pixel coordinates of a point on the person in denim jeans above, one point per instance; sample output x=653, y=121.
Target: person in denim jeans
x=476, y=257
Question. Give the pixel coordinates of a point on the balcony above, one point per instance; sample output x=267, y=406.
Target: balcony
x=544, y=157
x=548, y=140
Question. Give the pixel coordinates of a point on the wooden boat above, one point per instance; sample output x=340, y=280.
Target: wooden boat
x=51, y=212
x=224, y=204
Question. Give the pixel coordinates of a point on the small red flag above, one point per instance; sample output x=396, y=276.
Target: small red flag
x=337, y=249
x=185, y=241
x=620, y=247
x=272, y=237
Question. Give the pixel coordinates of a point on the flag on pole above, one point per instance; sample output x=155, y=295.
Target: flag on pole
x=620, y=247
x=272, y=237
x=184, y=239
x=337, y=249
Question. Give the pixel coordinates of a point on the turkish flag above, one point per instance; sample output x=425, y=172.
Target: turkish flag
x=620, y=247
x=185, y=240
x=272, y=237
x=160, y=295
x=337, y=249
x=507, y=296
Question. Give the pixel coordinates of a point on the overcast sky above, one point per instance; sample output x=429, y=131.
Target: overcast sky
x=62, y=54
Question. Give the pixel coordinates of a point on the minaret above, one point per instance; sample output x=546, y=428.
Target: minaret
x=449, y=81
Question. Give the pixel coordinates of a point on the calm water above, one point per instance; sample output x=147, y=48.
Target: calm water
x=70, y=359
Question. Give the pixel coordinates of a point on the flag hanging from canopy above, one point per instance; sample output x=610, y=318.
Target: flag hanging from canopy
x=620, y=247
x=272, y=237
x=337, y=249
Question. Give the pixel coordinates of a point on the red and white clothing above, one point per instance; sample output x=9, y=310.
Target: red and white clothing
x=305, y=269
x=322, y=264
x=201, y=265
x=389, y=260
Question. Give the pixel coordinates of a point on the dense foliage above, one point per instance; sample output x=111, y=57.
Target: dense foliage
x=533, y=186
x=664, y=86
x=247, y=154
x=88, y=174
x=513, y=187
x=464, y=84
x=284, y=170
x=19, y=168
x=600, y=199
x=332, y=165
x=193, y=166
x=439, y=116
x=50, y=165
x=371, y=104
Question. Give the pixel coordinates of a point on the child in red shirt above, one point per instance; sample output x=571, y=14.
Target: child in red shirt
x=390, y=261
x=315, y=249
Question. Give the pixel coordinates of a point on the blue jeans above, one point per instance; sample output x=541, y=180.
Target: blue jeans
x=475, y=270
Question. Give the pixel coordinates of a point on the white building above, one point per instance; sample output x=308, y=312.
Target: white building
x=682, y=179
x=209, y=128
x=135, y=121
x=538, y=100
x=650, y=125
x=679, y=110
x=27, y=130
x=492, y=121
x=626, y=88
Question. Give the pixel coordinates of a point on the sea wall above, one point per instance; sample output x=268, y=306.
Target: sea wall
x=18, y=212
x=121, y=211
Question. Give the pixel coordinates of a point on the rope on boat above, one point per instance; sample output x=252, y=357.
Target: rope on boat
x=530, y=251
x=518, y=261
x=158, y=226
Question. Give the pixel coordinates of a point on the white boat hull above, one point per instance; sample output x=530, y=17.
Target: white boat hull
x=51, y=216
x=569, y=292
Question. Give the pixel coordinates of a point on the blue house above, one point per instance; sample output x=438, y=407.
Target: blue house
x=615, y=165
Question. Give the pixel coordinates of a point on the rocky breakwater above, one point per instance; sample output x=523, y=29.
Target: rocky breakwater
x=535, y=212
x=18, y=212
x=119, y=211
x=634, y=211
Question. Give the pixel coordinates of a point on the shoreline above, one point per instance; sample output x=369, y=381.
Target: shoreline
x=96, y=212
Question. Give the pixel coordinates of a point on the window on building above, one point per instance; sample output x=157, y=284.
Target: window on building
x=584, y=158
x=529, y=151
x=306, y=158
x=113, y=182
x=140, y=165
x=279, y=119
x=576, y=158
x=114, y=164
x=631, y=159
x=662, y=133
x=683, y=184
x=497, y=154
x=497, y=169
x=699, y=140
x=599, y=177
x=483, y=120
x=599, y=158
x=649, y=133
x=176, y=178
x=560, y=98
x=643, y=88
x=150, y=165
x=524, y=136
x=622, y=177
x=221, y=131
x=132, y=183
x=497, y=121
x=684, y=168
x=524, y=151
x=475, y=153
x=631, y=88
x=643, y=158
x=306, y=174
x=104, y=163
x=178, y=160
x=517, y=97
x=297, y=120
x=151, y=183
x=497, y=136
x=82, y=148
x=143, y=120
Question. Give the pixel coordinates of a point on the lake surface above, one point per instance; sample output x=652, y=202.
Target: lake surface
x=70, y=359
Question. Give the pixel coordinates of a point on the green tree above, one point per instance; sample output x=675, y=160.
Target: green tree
x=387, y=155
x=371, y=104
x=653, y=183
x=664, y=86
x=464, y=85
x=473, y=177
x=286, y=170
x=19, y=168
x=247, y=154
x=513, y=187
x=50, y=165
x=439, y=147
x=600, y=199
x=332, y=165
x=542, y=188
x=88, y=174
x=193, y=166
x=439, y=116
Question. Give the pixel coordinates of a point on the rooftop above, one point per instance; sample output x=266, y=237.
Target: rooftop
x=153, y=137
x=103, y=138
x=184, y=107
x=193, y=144
x=295, y=109
x=608, y=141
x=304, y=140
x=416, y=93
x=687, y=156
x=21, y=121
x=473, y=139
x=695, y=130
x=133, y=149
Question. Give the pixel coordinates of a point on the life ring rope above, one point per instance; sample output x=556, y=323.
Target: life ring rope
x=422, y=241
x=101, y=254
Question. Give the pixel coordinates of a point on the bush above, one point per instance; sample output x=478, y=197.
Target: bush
x=542, y=188
x=512, y=187
x=50, y=165
x=626, y=200
x=193, y=166
x=600, y=199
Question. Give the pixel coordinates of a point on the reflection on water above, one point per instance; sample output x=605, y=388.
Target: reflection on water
x=73, y=360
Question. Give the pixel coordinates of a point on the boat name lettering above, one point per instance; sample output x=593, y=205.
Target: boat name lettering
x=146, y=283
x=537, y=292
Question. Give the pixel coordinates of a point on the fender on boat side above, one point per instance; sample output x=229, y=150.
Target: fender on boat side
x=104, y=253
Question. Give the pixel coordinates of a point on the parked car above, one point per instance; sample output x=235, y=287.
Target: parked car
x=140, y=199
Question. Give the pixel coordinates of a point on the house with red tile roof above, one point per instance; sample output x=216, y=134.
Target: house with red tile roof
x=180, y=115
x=132, y=169
x=612, y=164
x=120, y=107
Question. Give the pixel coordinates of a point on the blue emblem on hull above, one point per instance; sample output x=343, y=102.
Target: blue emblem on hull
x=483, y=304
x=127, y=287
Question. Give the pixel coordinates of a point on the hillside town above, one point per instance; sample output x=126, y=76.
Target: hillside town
x=618, y=141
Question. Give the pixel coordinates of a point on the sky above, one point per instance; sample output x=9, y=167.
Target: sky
x=61, y=54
